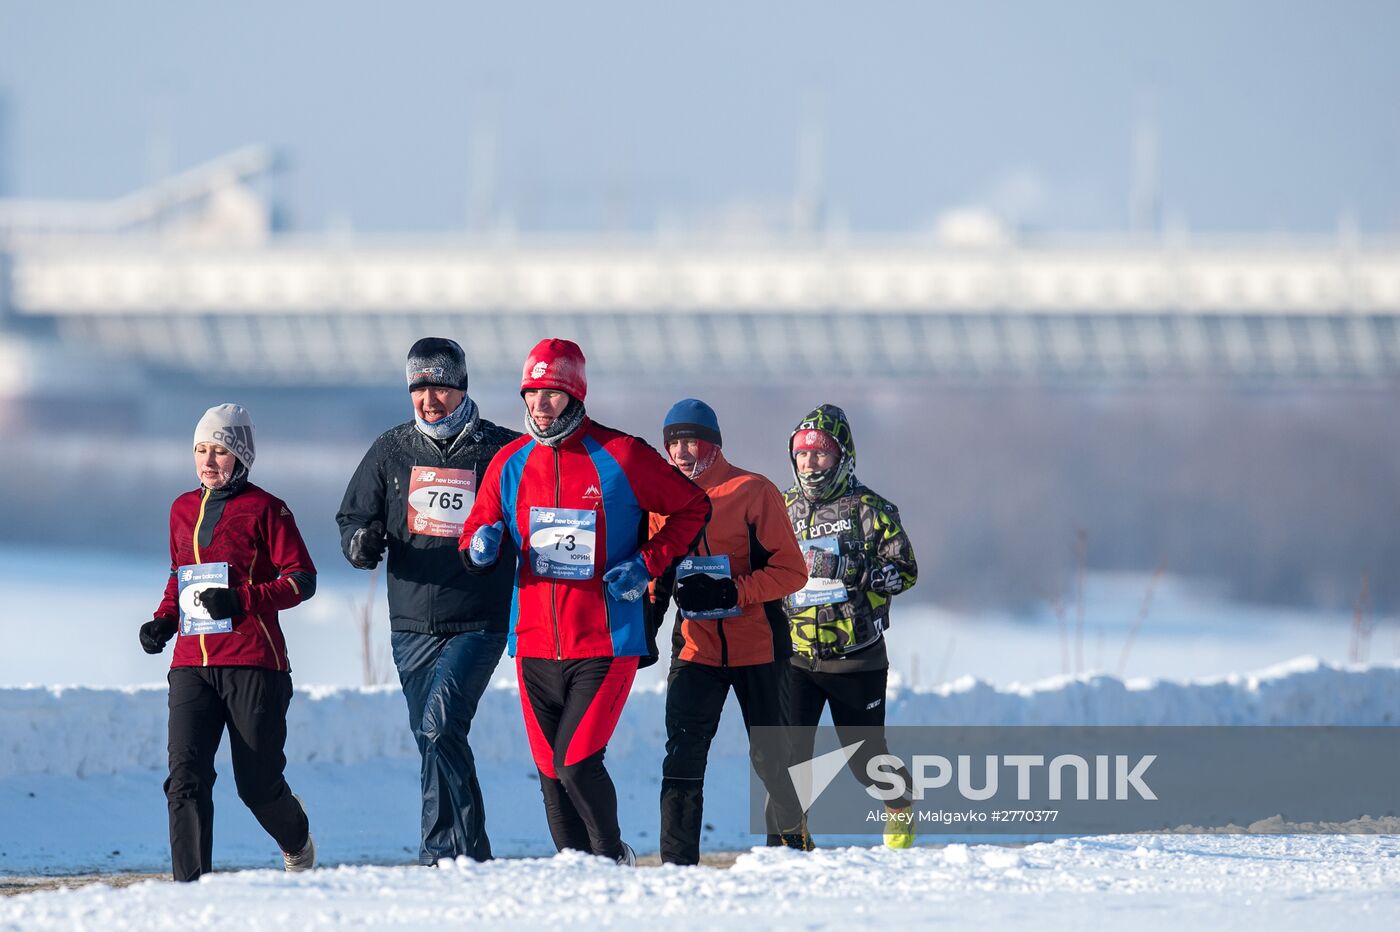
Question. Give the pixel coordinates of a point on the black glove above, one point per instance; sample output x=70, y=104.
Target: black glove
x=852, y=569
x=156, y=633
x=367, y=546
x=701, y=592
x=651, y=616
x=219, y=603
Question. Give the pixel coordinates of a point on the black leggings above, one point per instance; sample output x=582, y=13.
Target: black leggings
x=695, y=696
x=857, y=700
x=251, y=703
x=571, y=708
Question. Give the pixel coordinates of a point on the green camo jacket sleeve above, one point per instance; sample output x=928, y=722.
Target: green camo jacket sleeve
x=889, y=556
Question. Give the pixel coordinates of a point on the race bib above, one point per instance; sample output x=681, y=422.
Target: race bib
x=194, y=580
x=716, y=566
x=819, y=591
x=563, y=542
x=439, y=500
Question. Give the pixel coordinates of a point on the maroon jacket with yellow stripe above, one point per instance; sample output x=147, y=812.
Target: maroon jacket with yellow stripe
x=268, y=564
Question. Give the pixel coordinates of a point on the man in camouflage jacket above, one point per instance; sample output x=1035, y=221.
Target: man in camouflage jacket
x=858, y=558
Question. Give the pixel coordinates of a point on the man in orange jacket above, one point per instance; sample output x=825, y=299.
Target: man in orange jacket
x=730, y=631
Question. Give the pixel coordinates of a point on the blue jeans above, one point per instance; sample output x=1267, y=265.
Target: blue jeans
x=443, y=677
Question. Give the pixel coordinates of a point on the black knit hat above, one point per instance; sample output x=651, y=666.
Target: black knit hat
x=436, y=361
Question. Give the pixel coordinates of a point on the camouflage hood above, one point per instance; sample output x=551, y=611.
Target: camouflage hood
x=829, y=483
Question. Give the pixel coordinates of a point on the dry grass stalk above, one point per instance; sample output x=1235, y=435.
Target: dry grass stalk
x=1064, y=635
x=1361, y=624
x=374, y=666
x=1081, y=558
x=1141, y=617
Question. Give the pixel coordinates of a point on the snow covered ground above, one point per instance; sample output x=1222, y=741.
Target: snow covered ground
x=1312, y=883
x=81, y=771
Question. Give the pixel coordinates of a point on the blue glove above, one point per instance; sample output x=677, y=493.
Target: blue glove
x=486, y=544
x=627, y=581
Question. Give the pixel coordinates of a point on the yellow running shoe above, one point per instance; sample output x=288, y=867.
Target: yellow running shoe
x=899, y=827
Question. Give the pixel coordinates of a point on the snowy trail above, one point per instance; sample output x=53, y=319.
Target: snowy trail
x=1141, y=882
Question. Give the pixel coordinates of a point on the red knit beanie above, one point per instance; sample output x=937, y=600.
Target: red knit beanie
x=818, y=440
x=555, y=364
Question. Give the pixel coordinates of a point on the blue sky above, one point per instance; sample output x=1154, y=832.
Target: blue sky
x=609, y=114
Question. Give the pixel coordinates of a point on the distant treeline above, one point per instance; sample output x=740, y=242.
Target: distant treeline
x=1283, y=498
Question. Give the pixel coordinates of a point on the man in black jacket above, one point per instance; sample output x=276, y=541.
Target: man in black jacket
x=409, y=496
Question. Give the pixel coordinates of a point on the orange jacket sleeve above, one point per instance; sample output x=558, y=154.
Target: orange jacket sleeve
x=786, y=571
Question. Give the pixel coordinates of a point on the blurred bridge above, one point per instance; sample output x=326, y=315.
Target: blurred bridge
x=278, y=309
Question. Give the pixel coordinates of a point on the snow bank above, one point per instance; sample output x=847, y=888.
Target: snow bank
x=1305, y=691
x=84, y=732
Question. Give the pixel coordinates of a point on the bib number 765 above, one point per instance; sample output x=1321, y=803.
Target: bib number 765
x=444, y=499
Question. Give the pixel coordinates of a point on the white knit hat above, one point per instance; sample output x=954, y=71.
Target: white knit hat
x=231, y=427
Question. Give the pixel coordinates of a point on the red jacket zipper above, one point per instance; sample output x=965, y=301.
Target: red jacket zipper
x=553, y=586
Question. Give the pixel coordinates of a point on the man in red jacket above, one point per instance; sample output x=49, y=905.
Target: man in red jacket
x=236, y=560
x=574, y=495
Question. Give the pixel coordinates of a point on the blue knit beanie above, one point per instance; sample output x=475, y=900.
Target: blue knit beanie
x=691, y=418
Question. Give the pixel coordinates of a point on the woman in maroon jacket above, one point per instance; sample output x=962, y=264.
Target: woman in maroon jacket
x=236, y=560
